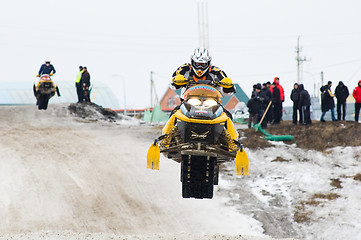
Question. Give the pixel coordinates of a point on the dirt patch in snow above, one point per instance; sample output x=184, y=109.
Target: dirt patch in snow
x=92, y=111
x=304, y=210
x=357, y=177
x=317, y=136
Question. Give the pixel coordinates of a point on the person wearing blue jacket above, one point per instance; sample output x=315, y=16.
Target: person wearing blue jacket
x=46, y=68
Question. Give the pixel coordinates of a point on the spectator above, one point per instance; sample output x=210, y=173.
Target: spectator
x=279, y=107
x=85, y=82
x=256, y=106
x=357, y=95
x=295, y=99
x=270, y=111
x=327, y=102
x=267, y=93
x=341, y=93
x=276, y=104
x=304, y=105
x=253, y=90
x=78, y=85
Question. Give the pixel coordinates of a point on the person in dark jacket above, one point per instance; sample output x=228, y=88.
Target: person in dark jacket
x=295, y=99
x=267, y=93
x=276, y=104
x=357, y=95
x=270, y=110
x=78, y=85
x=327, y=102
x=341, y=93
x=85, y=82
x=256, y=106
x=46, y=68
x=304, y=105
x=254, y=92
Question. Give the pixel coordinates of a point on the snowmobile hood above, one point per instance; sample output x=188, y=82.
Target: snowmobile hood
x=222, y=118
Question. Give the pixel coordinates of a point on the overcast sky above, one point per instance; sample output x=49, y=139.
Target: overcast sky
x=252, y=41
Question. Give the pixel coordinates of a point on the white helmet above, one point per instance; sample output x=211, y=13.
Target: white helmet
x=201, y=61
x=47, y=60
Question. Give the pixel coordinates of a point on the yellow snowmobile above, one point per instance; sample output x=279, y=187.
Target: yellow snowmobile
x=44, y=90
x=200, y=136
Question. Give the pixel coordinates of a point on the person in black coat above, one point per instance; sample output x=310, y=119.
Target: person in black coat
x=267, y=93
x=327, y=102
x=85, y=82
x=256, y=106
x=304, y=105
x=276, y=104
x=341, y=93
x=295, y=99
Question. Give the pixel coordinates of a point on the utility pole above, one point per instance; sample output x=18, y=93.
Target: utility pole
x=321, y=83
x=203, y=24
x=151, y=89
x=299, y=60
x=321, y=78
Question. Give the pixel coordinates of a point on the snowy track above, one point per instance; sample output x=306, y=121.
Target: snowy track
x=65, y=178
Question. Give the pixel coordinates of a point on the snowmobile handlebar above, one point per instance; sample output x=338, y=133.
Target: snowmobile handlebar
x=213, y=83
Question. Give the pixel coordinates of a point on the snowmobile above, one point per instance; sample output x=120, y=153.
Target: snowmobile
x=44, y=90
x=200, y=136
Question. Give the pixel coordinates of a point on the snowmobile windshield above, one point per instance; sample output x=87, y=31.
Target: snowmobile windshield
x=203, y=91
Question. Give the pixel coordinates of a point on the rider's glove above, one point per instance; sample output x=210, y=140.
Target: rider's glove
x=226, y=83
x=51, y=74
x=179, y=79
x=38, y=75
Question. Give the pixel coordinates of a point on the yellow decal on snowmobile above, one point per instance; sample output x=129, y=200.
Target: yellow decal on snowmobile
x=222, y=118
x=153, y=156
x=170, y=124
x=242, y=163
x=231, y=129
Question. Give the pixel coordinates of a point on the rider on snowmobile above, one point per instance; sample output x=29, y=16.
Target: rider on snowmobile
x=46, y=68
x=200, y=68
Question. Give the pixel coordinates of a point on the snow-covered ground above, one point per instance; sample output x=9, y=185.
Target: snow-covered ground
x=63, y=177
x=298, y=193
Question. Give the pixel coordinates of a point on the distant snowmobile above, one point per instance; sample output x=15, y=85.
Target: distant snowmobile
x=44, y=90
x=200, y=136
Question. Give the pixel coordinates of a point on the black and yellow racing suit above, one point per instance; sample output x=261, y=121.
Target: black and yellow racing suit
x=213, y=73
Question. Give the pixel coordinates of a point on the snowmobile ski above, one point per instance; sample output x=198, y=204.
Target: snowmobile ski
x=153, y=156
x=242, y=163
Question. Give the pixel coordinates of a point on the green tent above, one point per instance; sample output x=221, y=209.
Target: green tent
x=157, y=115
